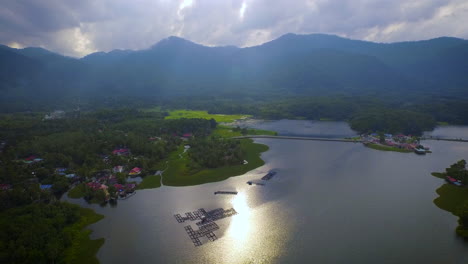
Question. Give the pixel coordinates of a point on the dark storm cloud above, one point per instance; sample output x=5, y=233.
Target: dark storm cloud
x=78, y=27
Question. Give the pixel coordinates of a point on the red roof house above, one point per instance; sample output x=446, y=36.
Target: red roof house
x=135, y=171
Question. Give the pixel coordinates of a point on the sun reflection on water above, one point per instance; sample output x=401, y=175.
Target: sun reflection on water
x=241, y=223
x=251, y=237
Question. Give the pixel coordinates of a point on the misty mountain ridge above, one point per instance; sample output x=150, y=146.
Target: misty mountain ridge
x=315, y=64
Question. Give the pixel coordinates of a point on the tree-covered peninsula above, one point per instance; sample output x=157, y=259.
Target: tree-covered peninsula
x=453, y=195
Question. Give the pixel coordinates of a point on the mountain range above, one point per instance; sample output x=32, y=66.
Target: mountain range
x=308, y=65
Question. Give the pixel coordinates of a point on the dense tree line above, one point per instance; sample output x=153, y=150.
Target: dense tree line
x=410, y=115
x=392, y=121
x=214, y=152
x=37, y=233
x=458, y=171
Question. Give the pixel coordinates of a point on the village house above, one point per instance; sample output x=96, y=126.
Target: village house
x=118, y=169
x=32, y=159
x=60, y=171
x=121, y=152
x=46, y=187
x=135, y=171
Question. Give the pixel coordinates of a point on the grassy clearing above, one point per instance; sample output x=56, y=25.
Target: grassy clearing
x=443, y=124
x=178, y=174
x=387, y=148
x=176, y=114
x=150, y=182
x=83, y=249
x=451, y=197
x=77, y=192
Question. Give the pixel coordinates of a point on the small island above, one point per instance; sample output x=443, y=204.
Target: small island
x=453, y=195
x=390, y=142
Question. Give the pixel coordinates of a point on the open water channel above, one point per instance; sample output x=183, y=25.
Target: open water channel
x=330, y=202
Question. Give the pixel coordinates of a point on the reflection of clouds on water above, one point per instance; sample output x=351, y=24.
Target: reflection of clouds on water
x=462, y=147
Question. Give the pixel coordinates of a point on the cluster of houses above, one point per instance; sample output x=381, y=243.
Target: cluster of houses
x=399, y=141
x=71, y=176
x=45, y=187
x=104, y=179
x=101, y=181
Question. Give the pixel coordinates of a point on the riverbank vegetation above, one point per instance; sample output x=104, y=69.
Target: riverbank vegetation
x=236, y=131
x=181, y=172
x=150, y=182
x=454, y=197
x=48, y=233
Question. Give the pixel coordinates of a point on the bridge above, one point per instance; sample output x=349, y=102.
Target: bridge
x=445, y=139
x=301, y=138
x=340, y=139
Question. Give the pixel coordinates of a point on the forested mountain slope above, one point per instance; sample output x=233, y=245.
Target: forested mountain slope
x=293, y=65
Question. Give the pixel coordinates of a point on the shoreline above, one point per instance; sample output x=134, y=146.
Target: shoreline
x=451, y=198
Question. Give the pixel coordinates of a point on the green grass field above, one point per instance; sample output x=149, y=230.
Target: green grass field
x=227, y=132
x=176, y=114
x=451, y=197
x=150, y=182
x=83, y=249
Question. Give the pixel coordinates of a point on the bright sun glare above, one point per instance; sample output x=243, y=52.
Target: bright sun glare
x=242, y=10
x=240, y=225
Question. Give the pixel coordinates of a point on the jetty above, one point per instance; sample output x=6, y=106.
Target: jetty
x=445, y=139
x=301, y=138
x=206, y=224
x=255, y=183
x=225, y=192
x=269, y=175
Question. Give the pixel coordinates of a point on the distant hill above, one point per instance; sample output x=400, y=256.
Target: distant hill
x=313, y=64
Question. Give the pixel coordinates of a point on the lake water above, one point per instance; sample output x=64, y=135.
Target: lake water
x=330, y=202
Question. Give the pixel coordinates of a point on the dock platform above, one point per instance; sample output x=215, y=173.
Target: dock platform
x=269, y=175
x=255, y=183
x=225, y=192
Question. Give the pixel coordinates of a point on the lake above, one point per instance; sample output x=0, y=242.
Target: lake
x=330, y=202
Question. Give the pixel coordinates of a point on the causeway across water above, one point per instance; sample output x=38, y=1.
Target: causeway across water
x=339, y=139
x=301, y=138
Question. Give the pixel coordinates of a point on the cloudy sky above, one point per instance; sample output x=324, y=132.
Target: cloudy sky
x=80, y=27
